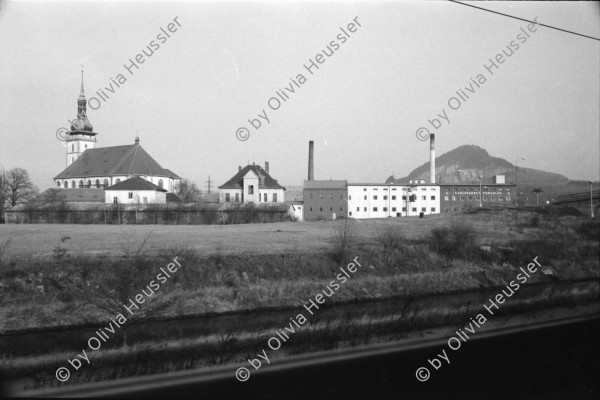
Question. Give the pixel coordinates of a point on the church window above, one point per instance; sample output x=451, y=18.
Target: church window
x=81, y=184
x=97, y=183
x=160, y=183
x=89, y=183
x=58, y=183
x=105, y=183
x=66, y=184
x=73, y=185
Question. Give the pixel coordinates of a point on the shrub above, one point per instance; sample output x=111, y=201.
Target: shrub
x=344, y=234
x=391, y=237
x=457, y=240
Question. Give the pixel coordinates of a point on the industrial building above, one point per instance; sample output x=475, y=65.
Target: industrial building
x=461, y=196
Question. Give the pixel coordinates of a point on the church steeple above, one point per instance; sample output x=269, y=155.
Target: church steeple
x=81, y=101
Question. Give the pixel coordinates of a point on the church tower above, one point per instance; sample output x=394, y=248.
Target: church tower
x=82, y=136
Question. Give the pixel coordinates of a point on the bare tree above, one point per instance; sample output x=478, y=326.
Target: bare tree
x=3, y=192
x=188, y=191
x=18, y=187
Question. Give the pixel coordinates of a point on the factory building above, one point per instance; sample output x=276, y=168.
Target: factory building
x=381, y=200
x=326, y=199
x=461, y=196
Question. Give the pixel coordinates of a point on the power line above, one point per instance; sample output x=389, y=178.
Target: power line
x=523, y=19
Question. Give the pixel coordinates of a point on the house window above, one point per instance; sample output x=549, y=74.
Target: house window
x=349, y=197
x=414, y=209
x=250, y=189
x=237, y=197
x=404, y=209
x=145, y=200
x=432, y=209
x=89, y=184
x=424, y=197
x=357, y=208
x=227, y=198
x=374, y=209
x=432, y=197
x=115, y=200
x=265, y=197
x=350, y=213
x=73, y=185
x=365, y=189
x=393, y=209
x=365, y=209
x=274, y=197
x=97, y=183
x=384, y=209
x=375, y=197
x=81, y=184
x=160, y=183
x=423, y=209
x=385, y=197
x=393, y=197
x=130, y=195
x=403, y=197
x=365, y=196
x=320, y=208
x=58, y=183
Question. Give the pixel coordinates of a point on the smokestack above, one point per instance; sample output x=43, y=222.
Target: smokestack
x=267, y=167
x=311, y=160
x=432, y=158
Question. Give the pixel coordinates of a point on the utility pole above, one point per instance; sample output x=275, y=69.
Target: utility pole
x=537, y=192
x=209, y=182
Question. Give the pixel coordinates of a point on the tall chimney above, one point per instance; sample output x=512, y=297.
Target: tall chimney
x=267, y=167
x=432, y=158
x=311, y=160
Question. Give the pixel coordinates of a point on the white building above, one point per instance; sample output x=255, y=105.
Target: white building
x=135, y=190
x=295, y=210
x=370, y=200
x=252, y=184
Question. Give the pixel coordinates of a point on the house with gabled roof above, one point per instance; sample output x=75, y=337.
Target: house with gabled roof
x=135, y=190
x=252, y=184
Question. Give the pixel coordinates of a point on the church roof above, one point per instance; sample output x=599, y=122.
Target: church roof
x=135, y=183
x=265, y=180
x=111, y=161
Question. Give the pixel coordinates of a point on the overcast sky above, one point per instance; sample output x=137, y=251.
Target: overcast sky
x=361, y=107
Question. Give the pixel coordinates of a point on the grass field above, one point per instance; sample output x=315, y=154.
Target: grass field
x=29, y=240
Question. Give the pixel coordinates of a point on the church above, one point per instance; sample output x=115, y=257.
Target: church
x=103, y=167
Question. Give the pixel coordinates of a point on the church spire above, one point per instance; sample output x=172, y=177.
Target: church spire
x=81, y=101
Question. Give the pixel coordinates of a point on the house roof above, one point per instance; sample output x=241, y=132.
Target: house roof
x=330, y=184
x=129, y=159
x=265, y=180
x=135, y=183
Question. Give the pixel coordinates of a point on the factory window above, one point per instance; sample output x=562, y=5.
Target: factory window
x=365, y=196
x=227, y=198
x=384, y=209
x=453, y=198
x=477, y=197
x=403, y=197
x=446, y=198
x=424, y=197
x=507, y=198
x=251, y=189
x=237, y=197
x=403, y=208
x=500, y=198
x=393, y=197
x=374, y=209
x=321, y=196
x=493, y=198
x=349, y=197
x=357, y=208
x=485, y=198
x=320, y=208
x=469, y=197
x=414, y=209
x=365, y=209
x=330, y=196
x=385, y=197
x=423, y=209
x=393, y=209
x=432, y=197
x=432, y=209
x=462, y=198
x=374, y=197
x=433, y=189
